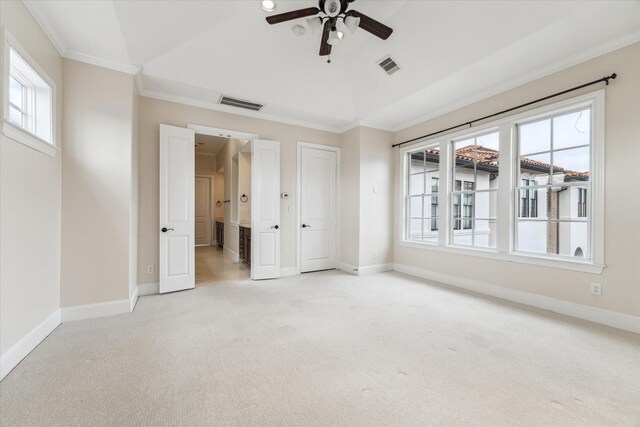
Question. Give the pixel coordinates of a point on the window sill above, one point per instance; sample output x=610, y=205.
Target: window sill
x=565, y=264
x=30, y=140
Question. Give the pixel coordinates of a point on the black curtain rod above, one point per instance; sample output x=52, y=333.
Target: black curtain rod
x=471, y=122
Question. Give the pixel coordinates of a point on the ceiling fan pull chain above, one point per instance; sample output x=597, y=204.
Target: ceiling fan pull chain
x=329, y=59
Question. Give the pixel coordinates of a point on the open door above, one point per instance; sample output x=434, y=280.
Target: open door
x=177, y=221
x=265, y=210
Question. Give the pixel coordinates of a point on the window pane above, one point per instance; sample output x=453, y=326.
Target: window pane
x=484, y=233
x=463, y=237
x=486, y=205
x=416, y=162
x=415, y=207
x=571, y=130
x=414, y=231
x=535, y=137
x=567, y=238
x=16, y=93
x=430, y=230
x=416, y=184
x=536, y=169
x=571, y=165
x=16, y=116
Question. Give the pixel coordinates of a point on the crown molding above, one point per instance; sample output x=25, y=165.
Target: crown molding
x=100, y=62
x=163, y=96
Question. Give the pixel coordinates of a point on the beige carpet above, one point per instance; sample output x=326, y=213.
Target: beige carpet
x=327, y=349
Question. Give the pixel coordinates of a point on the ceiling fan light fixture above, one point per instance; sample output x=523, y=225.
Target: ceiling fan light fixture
x=314, y=23
x=335, y=36
x=352, y=23
x=268, y=5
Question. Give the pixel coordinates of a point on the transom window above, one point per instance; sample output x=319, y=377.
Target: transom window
x=545, y=163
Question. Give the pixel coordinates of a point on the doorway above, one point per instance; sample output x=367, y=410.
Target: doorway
x=260, y=231
x=219, y=187
x=318, y=177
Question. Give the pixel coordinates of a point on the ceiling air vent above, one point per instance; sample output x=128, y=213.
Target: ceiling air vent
x=234, y=102
x=389, y=65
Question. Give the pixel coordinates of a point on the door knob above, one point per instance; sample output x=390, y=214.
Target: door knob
x=165, y=229
x=305, y=226
x=276, y=227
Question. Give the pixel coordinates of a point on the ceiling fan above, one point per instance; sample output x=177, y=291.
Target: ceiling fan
x=330, y=11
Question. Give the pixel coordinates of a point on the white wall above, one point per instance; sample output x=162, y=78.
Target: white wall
x=98, y=179
x=621, y=277
x=30, y=205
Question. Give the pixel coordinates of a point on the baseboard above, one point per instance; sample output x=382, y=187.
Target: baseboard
x=101, y=309
x=233, y=254
x=148, y=288
x=623, y=321
x=289, y=271
x=368, y=269
x=348, y=268
x=134, y=299
x=372, y=269
x=22, y=348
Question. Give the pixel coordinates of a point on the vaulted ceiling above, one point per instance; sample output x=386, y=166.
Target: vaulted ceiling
x=451, y=53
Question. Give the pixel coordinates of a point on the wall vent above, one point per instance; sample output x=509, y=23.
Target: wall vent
x=235, y=102
x=389, y=65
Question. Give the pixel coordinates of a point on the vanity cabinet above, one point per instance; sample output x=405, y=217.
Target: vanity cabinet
x=244, y=251
x=220, y=233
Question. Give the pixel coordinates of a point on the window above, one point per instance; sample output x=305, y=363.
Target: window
x=29, y=106
x=548, y=208
x=554, y=156
x=422, y=202
x=475, y=166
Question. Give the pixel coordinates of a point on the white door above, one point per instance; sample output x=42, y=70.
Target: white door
x=265, y=210
x=177, y=179
x=203, y=211
x=318, y=209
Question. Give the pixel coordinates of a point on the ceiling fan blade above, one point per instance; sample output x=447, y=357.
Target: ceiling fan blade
x=288, y=16
x=325, y=48
x=376, y=28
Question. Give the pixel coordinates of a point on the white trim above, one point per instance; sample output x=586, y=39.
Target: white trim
x=233, y=254
x=348, y=268
x=27, y=138
x=101, y=309
x=365, y=270
x=101, y=62
x=580, y=311
x=223, y=133
x=337, y=150
x=148, y=289
x=27, y=343
x=185, y=100
x=134, y=299
x=373, y=269
x=289, y=271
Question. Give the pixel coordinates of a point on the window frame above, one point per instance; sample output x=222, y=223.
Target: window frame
x=508, y=203
x=27, y=136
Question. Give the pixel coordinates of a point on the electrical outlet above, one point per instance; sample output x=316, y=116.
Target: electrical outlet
x=375, y=188
x=375, y=254
x=150, y=268
x=596, y=289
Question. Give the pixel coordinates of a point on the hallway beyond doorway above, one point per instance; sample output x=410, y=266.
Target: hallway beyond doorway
x=213, y=266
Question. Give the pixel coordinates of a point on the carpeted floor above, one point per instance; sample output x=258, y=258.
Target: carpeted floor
x=327, y=349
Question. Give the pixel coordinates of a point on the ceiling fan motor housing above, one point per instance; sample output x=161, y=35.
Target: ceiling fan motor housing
x=332, y=8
